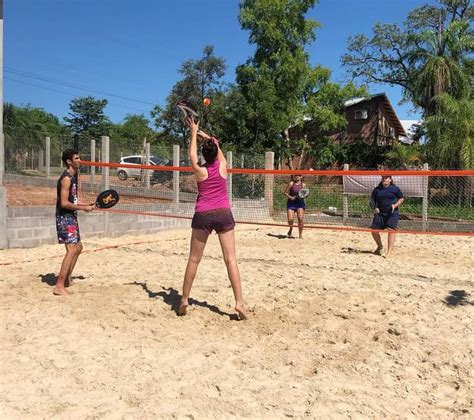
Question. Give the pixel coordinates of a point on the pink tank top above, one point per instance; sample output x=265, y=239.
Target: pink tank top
x=212, y=192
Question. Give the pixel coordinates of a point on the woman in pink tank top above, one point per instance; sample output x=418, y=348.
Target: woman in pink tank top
x=212, y=212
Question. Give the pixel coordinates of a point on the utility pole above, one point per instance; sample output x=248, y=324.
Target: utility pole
x=2, y=138
x=3, y=191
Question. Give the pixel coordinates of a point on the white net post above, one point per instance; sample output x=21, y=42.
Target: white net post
x=345, y=202
x=424, y=205
x=229, y=176
x=147, y=162
x=92, y=160
x=48, y=157
x=176, y=154
x=105, y=143
x=269, y=179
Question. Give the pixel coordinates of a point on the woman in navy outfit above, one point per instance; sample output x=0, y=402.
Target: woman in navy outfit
x=386, y=199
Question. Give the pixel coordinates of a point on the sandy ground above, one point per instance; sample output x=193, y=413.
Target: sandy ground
x=333, y=331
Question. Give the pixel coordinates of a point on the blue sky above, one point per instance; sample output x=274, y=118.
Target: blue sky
x=129, y=51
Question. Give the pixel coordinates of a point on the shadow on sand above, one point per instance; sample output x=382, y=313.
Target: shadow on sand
x=277, y=236
x=458, y=298
x=50, y=278
x=349, y=250
x=172, y=298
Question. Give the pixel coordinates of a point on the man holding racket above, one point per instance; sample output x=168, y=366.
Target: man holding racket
x=385, y=200
x=295, y=203
x=212, y=212
x=67, y=227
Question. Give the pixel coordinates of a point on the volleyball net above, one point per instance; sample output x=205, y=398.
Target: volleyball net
x=436, y=202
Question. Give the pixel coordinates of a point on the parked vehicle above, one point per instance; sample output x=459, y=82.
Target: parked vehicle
x=124, y=173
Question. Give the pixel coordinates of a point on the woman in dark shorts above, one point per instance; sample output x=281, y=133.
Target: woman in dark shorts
x=212, y=212
x=295, y=204
x=385, y=198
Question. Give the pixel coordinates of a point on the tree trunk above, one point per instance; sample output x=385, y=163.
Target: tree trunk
x=286, y=134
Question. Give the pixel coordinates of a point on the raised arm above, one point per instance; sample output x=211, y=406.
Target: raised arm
x=192, y=150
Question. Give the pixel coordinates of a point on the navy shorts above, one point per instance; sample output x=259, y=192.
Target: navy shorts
x=295, y=205
x=67, y=229
x=385, y=220
x=220, y=220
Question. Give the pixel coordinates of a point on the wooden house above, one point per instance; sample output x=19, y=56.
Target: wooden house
x=371, y=120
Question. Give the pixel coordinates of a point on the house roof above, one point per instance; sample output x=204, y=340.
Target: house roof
x=386, y=105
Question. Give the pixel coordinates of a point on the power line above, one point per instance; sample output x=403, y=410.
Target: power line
x=68, y=93
x=67, y=84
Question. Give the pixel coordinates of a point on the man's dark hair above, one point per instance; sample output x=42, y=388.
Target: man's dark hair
x=209, y=151
x=68, y=154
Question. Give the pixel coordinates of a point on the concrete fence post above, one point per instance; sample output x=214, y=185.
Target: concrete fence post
x=269, y=179
x=3, y=194
x=105, y=143
x=105, y=154
x=424, y=205
x=345, y=202
x=41, y=160
x=229, y=176
x=146, y=173
x=3, y=218
x=92, y=160
x=48, y=157
x=2, y=156
x=176, y=155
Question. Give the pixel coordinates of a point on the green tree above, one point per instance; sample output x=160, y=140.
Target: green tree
x=87, y=119
x=274, y=80
x=431, y=59
x=451, y=133
x=324, y=115
x=133, y=130
x=26, y=129
x=404, y=156
x=129, y=136
x=201, y=79
x=426, y=57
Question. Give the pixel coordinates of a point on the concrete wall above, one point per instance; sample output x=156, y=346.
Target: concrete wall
x=29, y=227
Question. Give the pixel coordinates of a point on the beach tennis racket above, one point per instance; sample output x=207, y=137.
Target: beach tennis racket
x=107, y=199
x=188, y=111
x=303, y=193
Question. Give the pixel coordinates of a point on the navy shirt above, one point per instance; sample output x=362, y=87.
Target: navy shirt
x=385, y=197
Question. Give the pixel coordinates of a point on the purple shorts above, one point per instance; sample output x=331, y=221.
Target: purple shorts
x=67, y=229
x=220, y=220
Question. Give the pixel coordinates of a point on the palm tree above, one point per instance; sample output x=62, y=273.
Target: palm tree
x=442, y=54
x=450, y=131
x=404, y=156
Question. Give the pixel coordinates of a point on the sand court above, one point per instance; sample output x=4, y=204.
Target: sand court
x=333, y=330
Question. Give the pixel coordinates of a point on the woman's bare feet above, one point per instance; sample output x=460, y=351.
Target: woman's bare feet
x=240, y=312
x=60, y=291
x=183, y=308
x=289, y=234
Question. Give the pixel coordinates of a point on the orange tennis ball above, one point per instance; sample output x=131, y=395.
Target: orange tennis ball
x=206, y=101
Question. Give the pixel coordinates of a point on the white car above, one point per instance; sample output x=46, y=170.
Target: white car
x=124, y=173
